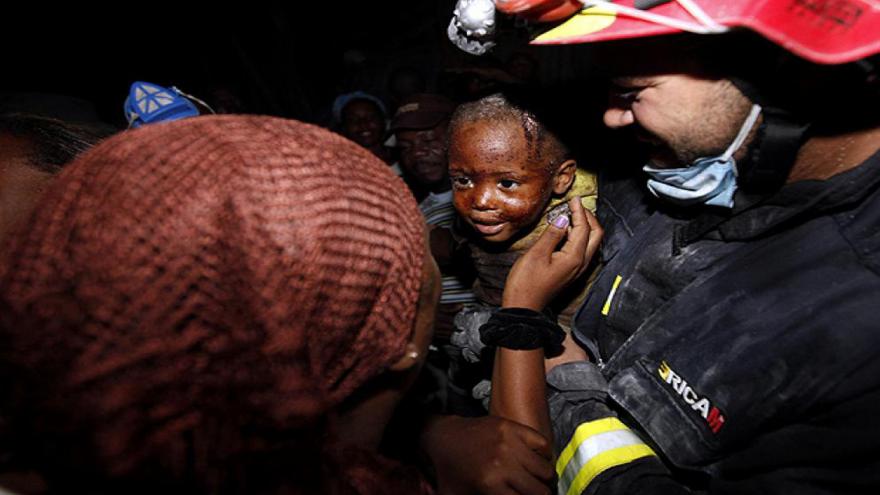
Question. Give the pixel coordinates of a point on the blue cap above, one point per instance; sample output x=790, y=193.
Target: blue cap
x=148, y=103
x=343, y=100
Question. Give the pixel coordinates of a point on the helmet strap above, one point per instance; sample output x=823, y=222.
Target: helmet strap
x=772, y=154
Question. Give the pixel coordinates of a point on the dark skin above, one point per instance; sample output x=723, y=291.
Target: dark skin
x=489, y=163
x=497, y=188
x=363, y=424
x=518, y=391
x=636, y=102
x=487, y=455
x=363, y=123
x=510, y=450
x=423, y=156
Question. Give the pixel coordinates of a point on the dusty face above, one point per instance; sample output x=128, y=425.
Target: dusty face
x=20, y=183
x=682, y=117
x=363, y=123
x=423, y=154
x=495, y=188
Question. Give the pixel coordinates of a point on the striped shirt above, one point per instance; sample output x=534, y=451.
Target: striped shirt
x=438, y=210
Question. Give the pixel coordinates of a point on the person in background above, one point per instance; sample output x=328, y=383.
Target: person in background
x=361, y=117
x=420, y=128
x=404, y=81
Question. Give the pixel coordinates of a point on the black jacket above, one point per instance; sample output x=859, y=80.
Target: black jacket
x=742, y=347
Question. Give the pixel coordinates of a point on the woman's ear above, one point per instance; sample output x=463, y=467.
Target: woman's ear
x=409, y=359
x=564, y=177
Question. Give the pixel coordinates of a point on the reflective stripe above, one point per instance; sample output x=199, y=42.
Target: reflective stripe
x=607, y=307
x=595, y=447
x=583, y=432
x=605, y=461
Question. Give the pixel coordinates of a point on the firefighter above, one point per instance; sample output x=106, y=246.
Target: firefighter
x=729, y=345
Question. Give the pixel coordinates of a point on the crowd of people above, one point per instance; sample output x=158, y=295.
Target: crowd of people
x=457, y=292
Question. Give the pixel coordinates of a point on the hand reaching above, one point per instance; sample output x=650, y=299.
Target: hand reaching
x=488, y=455
x=543, y=270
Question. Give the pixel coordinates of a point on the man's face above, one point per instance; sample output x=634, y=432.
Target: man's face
x=423, y=153
x=363, y=123
x=680, y=116
x=495, y=188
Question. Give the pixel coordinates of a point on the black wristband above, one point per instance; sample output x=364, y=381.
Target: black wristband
x=522, y=329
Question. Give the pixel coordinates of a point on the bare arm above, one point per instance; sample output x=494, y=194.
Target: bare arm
x=518, y=391
x=518, y=383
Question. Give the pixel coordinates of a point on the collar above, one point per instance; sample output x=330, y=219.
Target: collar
x=443, y=197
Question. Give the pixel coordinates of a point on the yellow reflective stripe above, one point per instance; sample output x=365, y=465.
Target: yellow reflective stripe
x=607, y=307
x=604, y=461
x=592, y=447
x=582, y=433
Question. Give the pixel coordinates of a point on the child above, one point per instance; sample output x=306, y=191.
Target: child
x=509, y=171
x=510, y=174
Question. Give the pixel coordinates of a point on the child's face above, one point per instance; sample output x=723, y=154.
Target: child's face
x=495, y=187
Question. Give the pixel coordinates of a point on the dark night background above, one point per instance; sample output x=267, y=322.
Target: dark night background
x=279, y=58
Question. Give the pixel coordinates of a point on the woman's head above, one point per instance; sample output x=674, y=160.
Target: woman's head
x=361, y=118
x=505, y=166
x=245, y=274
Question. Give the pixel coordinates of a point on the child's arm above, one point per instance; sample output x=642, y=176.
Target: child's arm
x=518, y=383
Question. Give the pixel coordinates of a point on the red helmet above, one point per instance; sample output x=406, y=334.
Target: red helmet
x=822, y=31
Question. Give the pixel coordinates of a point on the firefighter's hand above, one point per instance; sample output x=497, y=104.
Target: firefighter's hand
x=543, y=270
x=488, y=455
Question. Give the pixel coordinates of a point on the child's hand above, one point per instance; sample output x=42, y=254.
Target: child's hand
x=543, y=271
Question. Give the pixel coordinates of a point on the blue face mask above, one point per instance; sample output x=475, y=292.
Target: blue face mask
x=709, y=180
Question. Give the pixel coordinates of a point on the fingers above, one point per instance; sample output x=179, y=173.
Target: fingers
x=585, y=236
x=536, y=460
x=595, y=237
x=579, y=234
x=533, y=440
x=578, y=212
x=537, y=466
x=546, y=244
x=524, y=484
